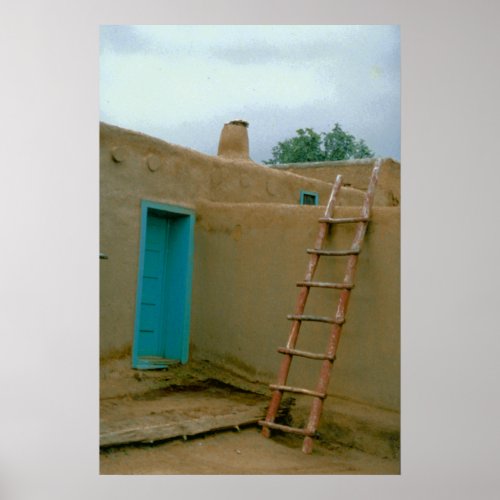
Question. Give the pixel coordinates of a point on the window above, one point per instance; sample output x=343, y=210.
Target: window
x=308, y=198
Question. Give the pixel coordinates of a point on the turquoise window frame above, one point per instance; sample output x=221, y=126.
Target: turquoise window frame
x=309, y=193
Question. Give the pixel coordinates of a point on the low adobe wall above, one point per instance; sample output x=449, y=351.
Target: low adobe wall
x=247, y=261
x=355, y=173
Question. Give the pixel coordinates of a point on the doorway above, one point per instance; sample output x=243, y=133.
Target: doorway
x=163, y=303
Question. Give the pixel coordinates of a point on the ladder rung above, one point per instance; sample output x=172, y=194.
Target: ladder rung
x=334, y=253
x=297, y=390
x=343, y=220
x=286, y=428
x=340, y=286
x=305, y=354
x=321, y=319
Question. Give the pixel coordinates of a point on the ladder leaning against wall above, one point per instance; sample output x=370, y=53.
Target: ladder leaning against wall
x=319, y=394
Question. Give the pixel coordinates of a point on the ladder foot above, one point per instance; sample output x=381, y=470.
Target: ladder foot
x=266, y=432
x=307, y=446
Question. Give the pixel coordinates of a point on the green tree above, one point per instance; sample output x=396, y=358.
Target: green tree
x=309, y=146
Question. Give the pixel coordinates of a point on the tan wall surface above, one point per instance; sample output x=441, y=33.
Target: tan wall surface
x=247, y=258
x=150, y=167
x=355, y=173
x=133, y=167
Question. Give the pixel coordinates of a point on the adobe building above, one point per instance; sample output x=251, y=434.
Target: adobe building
x=203, y=254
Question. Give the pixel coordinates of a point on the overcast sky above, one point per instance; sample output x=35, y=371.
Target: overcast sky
x=182, y=83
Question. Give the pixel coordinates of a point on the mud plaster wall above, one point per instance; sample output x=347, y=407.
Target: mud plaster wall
x=248, y=259
x=133, y=167
x=248, y=256
x=355, y=173
x=138, y=165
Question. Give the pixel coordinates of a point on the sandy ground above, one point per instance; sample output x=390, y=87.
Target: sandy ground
x=245, y=452
x=183, y=393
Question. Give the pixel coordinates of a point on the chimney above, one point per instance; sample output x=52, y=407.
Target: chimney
x=233, y=141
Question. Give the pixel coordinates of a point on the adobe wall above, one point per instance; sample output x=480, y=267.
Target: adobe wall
x=144, y=166
x=247, y=261
x=134, y=166
x=355, y=173
x=250, y=241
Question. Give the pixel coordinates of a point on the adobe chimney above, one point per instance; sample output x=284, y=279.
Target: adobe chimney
x=233, y=141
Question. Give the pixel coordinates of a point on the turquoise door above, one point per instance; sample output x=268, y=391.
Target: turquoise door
x=153, y=287
x=164, y=286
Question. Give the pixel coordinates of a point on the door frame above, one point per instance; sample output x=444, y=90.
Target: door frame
x=175, y=211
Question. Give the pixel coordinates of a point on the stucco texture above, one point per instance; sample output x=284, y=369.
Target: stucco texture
x=356, y=174
x=249, y=250
x=248, y=259
x=142, y=166
x=135, y=167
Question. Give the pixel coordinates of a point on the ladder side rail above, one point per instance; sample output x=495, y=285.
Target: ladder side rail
x=359, y=237
x=324, y=378
x=370, y=193
x=299, y=308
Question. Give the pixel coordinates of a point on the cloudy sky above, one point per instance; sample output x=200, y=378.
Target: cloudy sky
x=182, y=83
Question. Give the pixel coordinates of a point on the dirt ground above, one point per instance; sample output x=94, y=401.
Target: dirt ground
x=244, y=452
x=187, y=393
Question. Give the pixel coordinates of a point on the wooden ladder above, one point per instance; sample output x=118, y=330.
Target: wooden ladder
x=319, y=394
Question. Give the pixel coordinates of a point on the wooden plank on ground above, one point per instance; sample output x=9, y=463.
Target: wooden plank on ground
x=150, y=429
